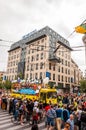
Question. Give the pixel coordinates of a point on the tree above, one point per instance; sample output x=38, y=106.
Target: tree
x=7, y=84
x=20, y=75
x=83, y=85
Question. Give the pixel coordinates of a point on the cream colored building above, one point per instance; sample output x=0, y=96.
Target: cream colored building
x=13, y=60
x=1, y=75
x=76, y=75
x=43, y=53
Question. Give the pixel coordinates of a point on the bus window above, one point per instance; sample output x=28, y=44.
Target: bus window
x=43, y=96
x=52, y=95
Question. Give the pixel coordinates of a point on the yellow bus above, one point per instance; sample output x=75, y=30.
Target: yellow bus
x=24, y=96
x=47, y=95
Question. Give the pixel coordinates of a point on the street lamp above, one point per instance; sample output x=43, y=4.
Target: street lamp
x=84, y=41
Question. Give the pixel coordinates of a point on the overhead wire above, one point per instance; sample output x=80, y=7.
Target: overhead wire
x=75, y=30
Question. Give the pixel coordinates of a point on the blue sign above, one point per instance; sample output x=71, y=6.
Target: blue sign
x=48, y=74
x=29, y=34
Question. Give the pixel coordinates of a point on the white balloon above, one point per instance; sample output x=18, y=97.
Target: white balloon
x=46, y=80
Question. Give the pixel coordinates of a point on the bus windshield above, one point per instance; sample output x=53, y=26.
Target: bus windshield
x=52, y=95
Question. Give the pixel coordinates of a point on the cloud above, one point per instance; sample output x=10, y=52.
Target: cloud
x=20, y=17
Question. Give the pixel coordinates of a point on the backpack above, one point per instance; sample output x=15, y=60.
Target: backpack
x=83, y=117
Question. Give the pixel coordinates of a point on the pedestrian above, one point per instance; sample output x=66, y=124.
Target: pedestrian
x=71, y=122
x=51, y=117
x=59, y=117
x=66, y=126
x=35, y=127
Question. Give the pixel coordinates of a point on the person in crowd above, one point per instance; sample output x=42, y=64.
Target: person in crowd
x=4, y=102
x=78, y=113
x=65, y=100
x=34, y=117
x=34, y=127
x=71, y=122
x=10, y=106
x=65, y=113
x=51, y=116
x=59, y=117
x=66, y=126
x=0, y=102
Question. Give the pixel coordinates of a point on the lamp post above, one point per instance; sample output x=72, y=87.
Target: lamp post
x=84, y=41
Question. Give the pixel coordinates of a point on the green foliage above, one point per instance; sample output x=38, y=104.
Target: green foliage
x=1, y=85
x=51, y=84
x=20, y=75
x=5, y=85
x=83, y=86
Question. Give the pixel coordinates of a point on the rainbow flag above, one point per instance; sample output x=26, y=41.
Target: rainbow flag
x=81, y=28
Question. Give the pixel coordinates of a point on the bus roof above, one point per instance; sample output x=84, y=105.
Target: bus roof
x=48, y=90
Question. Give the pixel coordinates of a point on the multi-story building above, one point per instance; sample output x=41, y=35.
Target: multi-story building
x=40, y=54
x=1, y=75
x=76, y=75
x=13, y=60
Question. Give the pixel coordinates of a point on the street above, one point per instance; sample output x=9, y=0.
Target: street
x=6, y=124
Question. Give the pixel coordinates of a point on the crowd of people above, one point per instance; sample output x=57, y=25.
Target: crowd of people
x=68, y=114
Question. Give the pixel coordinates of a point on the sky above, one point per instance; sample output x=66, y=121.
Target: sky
x=19, y=17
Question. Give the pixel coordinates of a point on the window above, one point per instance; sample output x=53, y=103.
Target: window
x=68, y=56
x=62, y=53
x=28, y=51
x=41, y=65
x=66, y=62
x=68, y=71
x=58, y=77
x=42, y=40
x=32, y=68
x=30, y=75
x=28, y=68
x=27, y=76
x=62, y=61
x=16, y=62
x=32, y=58
x=62, y=78
x=65, y=55
x=69, y=79
x=65, y=71
x=53, y=67
x=41, y=55
x=40, y=75
x=53, y=76
x=37, y=66
x=28, y=59
x=36, y=75
x=58, y=68
x=65, y=79
x=42, y=48
x=37, y=57
x=62, y=70
x=32, y=50
x=50, y=66
x=37, y=48
x=50, y=76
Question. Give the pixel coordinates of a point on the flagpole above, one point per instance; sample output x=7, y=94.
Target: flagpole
x=84, y=41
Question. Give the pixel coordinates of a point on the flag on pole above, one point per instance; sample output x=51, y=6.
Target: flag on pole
x=81, y=28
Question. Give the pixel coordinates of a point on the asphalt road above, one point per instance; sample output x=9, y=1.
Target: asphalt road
x=6, y=124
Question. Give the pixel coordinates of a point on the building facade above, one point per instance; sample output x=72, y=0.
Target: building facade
x=40, y=54
x=1, y=75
